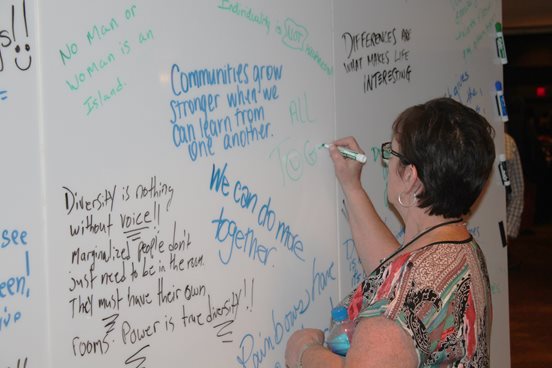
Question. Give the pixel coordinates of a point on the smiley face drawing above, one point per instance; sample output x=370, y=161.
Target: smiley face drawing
x=23, y=58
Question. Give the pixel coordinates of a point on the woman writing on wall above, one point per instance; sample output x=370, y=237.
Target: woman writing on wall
x=426, y=302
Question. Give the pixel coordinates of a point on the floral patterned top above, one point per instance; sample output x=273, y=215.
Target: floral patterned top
x=440, y=295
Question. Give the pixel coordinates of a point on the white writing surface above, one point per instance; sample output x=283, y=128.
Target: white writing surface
x=191, y=212
x=23, y=312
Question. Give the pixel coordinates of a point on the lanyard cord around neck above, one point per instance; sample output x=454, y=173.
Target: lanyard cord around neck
x=428, y=230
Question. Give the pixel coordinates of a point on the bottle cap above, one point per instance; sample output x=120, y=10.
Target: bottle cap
x=498, y=27
x=340, y=314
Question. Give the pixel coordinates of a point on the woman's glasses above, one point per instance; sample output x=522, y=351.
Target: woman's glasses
x=387, y=152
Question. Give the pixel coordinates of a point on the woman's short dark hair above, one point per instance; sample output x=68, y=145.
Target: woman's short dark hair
x=452, y=148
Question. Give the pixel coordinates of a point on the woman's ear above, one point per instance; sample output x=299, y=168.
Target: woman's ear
x=411, y=179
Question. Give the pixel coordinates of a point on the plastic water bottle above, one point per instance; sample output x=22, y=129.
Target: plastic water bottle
x=341, y=331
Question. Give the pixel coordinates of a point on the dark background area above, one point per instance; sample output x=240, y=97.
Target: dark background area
x=528, y=36
x=529, y=68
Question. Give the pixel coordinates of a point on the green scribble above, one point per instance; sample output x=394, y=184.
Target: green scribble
x=473, y=19
x=328, y=69
x=294, y=35
x=246, y=12
x=463, y=9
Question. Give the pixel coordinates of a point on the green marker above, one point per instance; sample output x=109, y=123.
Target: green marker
x=347, y=153
x=500, y=46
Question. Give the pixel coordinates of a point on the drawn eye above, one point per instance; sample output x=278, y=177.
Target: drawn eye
x=17, y=49
x=27, y=47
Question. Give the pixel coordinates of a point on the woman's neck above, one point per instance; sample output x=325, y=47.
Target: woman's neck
x=434, y=228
